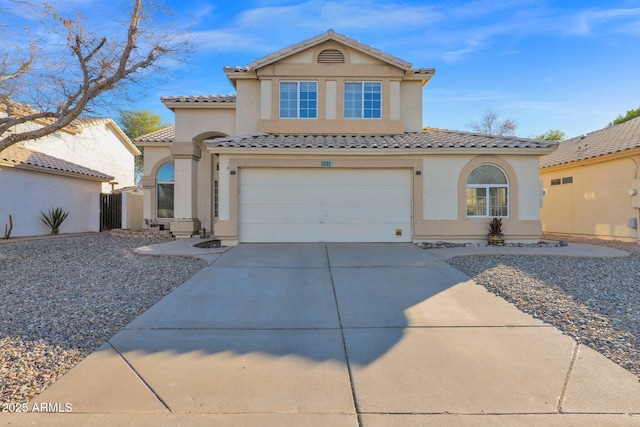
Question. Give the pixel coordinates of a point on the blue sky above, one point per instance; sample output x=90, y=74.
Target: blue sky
x=568, y=65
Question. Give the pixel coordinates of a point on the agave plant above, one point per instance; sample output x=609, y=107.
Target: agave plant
x=495, y=237
x=54, y=218
x=495, y=226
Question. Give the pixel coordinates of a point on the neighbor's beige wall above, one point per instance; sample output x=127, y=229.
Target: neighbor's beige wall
x=596, y=204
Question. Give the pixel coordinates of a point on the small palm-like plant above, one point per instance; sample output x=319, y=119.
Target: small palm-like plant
x=495, y=236
x=495, y=226
x=54, y=218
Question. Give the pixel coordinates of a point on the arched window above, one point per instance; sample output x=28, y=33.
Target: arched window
x=487, y=192
x=164, y=186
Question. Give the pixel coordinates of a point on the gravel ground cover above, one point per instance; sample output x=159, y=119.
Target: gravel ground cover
x=594, y=300
x=61, y=298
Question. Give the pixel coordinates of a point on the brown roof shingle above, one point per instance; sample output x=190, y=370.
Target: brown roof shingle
x=612, y=139
x=226, y=99
x=17, y=155
x=166, y=134
x=430, y=138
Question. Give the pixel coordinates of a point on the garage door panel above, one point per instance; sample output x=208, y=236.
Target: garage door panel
x=359, y=197
x=376, y=215
x=341, y=205
x=267, y=233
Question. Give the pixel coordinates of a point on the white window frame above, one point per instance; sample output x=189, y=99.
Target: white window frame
x=489, y=209
x=298, y=101
x=362, y=102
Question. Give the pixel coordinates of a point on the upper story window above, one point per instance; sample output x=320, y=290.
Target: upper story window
x=487, y=192
x=298, y=100
x=362, y=100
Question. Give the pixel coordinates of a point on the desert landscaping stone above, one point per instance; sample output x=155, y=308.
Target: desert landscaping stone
x=63, y=297
x=593, y=300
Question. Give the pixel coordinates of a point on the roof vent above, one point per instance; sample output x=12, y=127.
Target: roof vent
x=331, y=56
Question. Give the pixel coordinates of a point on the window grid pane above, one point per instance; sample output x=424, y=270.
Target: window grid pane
x=298, y=100
x=288, y=100
x=308, y=99
x=498, y=201
x=372, y=100
x=362, y=100
x=352, y=100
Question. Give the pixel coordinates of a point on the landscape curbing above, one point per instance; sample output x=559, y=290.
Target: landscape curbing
x=185, y=247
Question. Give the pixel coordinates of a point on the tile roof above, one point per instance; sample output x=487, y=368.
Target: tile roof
x=23, y=156
x=430, y=138
x=228, y=99
x=612, y=139
x=162, y=135
x=21, y=110
x=321, y=38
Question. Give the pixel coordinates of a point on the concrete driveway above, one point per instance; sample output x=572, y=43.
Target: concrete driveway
x=339, y=335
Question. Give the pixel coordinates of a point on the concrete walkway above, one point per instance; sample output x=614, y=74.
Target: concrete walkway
x=338, y=335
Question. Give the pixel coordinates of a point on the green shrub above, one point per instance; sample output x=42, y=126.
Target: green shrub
x=54, y=218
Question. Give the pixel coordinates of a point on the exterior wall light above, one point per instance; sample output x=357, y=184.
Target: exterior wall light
x=633, y=192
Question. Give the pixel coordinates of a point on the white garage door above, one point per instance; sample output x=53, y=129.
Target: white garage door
x=325, y=205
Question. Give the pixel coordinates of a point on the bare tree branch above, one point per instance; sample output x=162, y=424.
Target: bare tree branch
x=22, y=68
x=100, y=65
x=490, y=124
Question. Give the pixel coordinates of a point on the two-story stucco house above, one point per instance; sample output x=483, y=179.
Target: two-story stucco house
x=324, y=141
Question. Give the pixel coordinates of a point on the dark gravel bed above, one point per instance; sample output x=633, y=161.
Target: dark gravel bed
x=594, y=300
x=62, y=298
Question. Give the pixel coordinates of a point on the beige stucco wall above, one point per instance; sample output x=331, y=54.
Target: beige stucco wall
x=80, y=197
x=258, y=103
x=439, y=193
x=411, y=105
x=596, y=204
x=438, y=188
x=154, y=158
x=191, y=122
x=248, y=107
x=132, y=210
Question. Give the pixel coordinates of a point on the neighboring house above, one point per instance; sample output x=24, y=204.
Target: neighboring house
x=31, y=182
x=592, y=184
x=324, y=141
x=68, y=169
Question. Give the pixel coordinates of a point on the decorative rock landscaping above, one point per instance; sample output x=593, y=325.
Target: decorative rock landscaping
x=594, y=300
x=62, y=297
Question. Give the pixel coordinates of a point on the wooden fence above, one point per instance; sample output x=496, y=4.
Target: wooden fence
x=110, y=211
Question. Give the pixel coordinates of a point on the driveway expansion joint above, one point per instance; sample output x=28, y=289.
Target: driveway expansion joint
x=147, y=385
x=344, y=341
x=574, y=356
